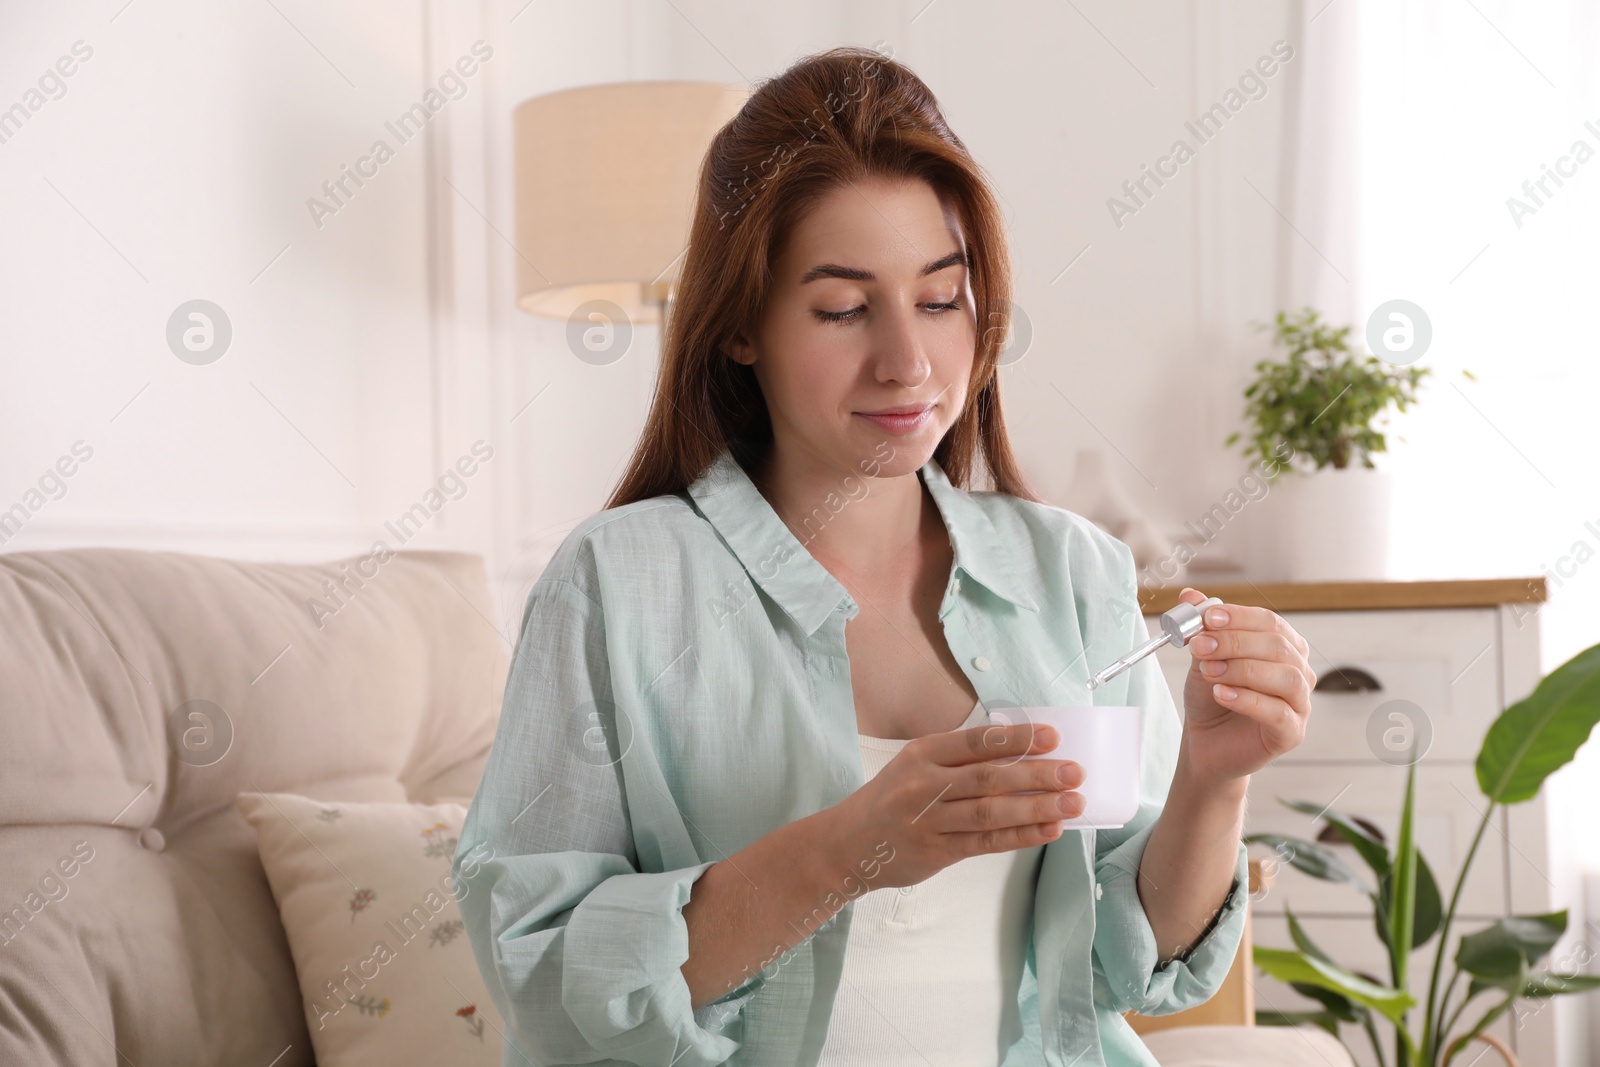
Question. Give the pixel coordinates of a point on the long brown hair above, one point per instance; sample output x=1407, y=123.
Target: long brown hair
x=831, y=118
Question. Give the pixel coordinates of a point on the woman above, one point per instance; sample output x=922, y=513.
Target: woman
x=745, y=803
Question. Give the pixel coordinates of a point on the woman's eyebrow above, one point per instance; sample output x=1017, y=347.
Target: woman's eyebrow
x=856, y=274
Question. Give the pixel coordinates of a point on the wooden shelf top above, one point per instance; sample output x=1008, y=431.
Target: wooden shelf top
x=1354, y=596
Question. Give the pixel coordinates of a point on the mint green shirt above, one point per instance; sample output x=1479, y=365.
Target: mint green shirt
x=681, y=688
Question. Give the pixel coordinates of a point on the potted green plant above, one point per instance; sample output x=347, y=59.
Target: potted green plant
x=1313, y=415
x=1527, y=743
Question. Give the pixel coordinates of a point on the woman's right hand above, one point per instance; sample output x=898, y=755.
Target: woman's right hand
x=947, y=796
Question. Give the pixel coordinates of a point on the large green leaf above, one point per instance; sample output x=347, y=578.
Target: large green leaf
x=1511, y=946
x=1535, y=986
x=1290, y=966
x=1549, y=984
x=1542, y=732
x=1302, y=940
x=1337, y=1005
x=1368, y=847
x=1326, y=1020
x=1310, y=858
x=1402, y=902
x=1430, y=906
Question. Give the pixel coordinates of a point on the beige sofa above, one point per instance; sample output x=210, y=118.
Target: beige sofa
x=139, y=693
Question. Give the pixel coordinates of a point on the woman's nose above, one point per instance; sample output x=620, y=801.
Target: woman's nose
x=899, y=351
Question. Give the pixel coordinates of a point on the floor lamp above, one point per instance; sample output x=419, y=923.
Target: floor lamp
x=605, y=186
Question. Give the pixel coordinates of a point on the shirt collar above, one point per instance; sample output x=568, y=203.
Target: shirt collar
x=779, y=563
x=981, y=552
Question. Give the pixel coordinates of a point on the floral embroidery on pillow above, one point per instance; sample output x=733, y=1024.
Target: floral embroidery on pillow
x=371, y=1005
x=446, y=932
x=437, y=844
x=360, y=900
x=474, y=1021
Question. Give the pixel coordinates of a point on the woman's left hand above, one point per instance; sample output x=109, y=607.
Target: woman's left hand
x=1247, y=697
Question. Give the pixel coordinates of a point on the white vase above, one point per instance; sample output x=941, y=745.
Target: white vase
x=1100, y=497
x=1334, y=524
x=1097, y=495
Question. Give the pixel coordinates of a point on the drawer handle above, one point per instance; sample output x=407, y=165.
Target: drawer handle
x=1346, y=680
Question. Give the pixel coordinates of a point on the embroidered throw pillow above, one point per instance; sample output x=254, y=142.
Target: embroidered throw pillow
x=365, y=893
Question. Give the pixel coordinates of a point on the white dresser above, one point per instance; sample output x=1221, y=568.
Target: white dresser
x=1398, y=661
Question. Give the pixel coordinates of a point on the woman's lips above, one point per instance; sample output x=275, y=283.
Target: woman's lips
x=900, y=424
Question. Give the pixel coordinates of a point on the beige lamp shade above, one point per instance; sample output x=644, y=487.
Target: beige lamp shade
x=605, y=184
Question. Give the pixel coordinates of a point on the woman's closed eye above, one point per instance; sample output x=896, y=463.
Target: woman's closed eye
x=855, y=312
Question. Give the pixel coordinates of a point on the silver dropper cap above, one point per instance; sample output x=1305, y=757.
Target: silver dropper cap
x=1178, y=626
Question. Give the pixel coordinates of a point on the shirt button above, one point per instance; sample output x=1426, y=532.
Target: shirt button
x=955, y=586
x=905, y=891
x=1099, y=891
x=981, y=662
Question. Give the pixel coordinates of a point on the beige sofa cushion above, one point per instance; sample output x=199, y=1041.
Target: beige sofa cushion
x=163, y=945
x=367, y=896
x=1247, y=1046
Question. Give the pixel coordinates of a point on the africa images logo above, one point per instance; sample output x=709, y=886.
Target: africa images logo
x=1252, y=85
x=405, y=127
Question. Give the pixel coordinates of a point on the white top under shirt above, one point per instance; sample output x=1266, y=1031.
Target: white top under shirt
x=931, y=971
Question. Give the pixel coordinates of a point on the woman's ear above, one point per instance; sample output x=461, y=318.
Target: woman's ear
x=740, y=350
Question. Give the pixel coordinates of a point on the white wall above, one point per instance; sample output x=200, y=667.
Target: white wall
x=369, y=353
x=178, y=165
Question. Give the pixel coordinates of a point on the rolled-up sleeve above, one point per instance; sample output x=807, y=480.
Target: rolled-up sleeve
x=1125, y=945
x=581, y=951
x=1126, y=958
